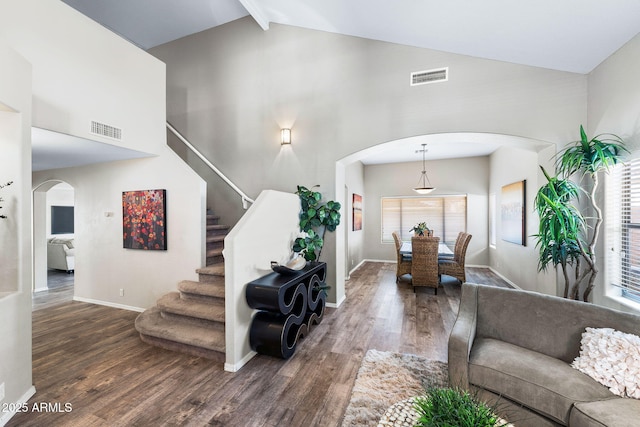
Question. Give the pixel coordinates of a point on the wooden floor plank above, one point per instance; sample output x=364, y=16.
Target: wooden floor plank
x=92, y=358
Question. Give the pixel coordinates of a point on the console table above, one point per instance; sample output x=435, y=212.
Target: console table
x=289, y=305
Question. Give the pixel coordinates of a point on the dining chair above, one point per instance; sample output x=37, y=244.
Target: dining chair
x=403, y=265
x=455, y=266
x=424, y=263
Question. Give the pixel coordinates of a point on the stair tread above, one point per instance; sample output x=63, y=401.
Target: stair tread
x=172, y=303
x=214, y=252
x=217, y=227
x=151, y=323
x=212, y=270
x=199, y=288
x=216, y=238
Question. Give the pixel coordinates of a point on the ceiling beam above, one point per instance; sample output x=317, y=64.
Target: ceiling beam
x=256, y=13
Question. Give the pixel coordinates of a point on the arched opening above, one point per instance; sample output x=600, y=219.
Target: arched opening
x=443, y=148
x=53, y=241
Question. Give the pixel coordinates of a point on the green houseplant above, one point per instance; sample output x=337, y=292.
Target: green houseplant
x=316, y=219
x=566, y=237
x=420, y=228
x=449, y=407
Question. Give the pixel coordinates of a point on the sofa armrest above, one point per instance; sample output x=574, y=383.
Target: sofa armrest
x=462, y=336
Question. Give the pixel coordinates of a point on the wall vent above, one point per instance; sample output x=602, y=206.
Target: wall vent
x=429, y=76
x=101, y=129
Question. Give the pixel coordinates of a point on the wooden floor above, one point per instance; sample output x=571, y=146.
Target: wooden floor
x=60, y=289
x=91, y=368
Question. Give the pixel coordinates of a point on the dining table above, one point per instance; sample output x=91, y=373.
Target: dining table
x=443, y=249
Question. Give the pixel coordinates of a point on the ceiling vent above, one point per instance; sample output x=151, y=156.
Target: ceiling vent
x=108, y=131
x=429, y=76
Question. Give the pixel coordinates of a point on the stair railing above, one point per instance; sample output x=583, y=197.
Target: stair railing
x=245, y=199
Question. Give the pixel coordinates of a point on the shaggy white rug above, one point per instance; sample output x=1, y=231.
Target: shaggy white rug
x=385, y=378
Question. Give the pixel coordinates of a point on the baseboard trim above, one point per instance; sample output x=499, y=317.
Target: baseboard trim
x=505, y=279
x=40, y=289
x=109, y=304
x=4, y=419
x=230, y=367
x=357, y=266
x=336, y=304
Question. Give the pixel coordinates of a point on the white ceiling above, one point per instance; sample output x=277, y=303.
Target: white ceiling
x=566, y=35
x=53, y=150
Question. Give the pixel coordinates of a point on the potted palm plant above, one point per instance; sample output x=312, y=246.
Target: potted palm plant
x=566, y=237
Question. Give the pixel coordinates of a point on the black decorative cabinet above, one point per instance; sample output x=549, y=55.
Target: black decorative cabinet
x=289, y=306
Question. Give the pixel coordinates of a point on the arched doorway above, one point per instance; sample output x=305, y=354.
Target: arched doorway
x=445, y=146
x=53, y=238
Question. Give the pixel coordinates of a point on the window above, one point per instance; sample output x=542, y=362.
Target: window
x=622, y=236
x=445, y=215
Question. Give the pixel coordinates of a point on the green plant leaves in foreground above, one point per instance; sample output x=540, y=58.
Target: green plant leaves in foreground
x=453, y=407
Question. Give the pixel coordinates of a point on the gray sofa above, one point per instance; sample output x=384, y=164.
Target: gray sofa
x=514, y=348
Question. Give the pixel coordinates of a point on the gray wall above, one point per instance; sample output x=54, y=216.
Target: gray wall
x=230, y=89
x=468, y=176
x=614, y=107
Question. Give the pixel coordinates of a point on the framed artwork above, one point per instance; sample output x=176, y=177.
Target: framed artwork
x=512, y=210
x=357, y=212
x=144, y=220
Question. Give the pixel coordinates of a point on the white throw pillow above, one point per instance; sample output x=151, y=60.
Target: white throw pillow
x=612, y=358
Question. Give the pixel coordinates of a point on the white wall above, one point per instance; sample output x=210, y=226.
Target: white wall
x=465, y=176
x=518, y=263
x=83, y=72
x=15, y=231
x=354, y=183
x=614, y=107
x=267, y=232
x=103, y=266
x=229, y=93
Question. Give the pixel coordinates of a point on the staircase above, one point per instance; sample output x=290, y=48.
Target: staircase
x=192, y=320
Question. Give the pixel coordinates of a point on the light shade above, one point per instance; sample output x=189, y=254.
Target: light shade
x=424, y=190
x=285, y=136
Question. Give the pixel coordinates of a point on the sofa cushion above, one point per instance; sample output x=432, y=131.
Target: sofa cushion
x=612, y=412
x=612, y=358
x=537, y=381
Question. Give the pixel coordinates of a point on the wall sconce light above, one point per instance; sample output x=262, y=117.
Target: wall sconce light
x=285, y=136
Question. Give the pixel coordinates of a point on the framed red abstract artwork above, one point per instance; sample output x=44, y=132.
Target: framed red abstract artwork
x=144, y=220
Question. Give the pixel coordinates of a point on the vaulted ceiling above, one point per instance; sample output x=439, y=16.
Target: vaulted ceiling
x=566, y=35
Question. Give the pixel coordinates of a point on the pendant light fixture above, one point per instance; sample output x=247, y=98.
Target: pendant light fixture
x=424, y=188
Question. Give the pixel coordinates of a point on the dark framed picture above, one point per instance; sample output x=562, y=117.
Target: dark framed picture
x=512, y=210
x=144, y=220
x=357, y=212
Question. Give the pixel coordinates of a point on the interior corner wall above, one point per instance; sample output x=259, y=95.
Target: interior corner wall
x=614, y=107
x=468, y=176
x=519, y=263
x=354, y=184
x=15, y=230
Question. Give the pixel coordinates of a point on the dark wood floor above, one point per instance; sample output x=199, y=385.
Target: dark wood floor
x=91, y=358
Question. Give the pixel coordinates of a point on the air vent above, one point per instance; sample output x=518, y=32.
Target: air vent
x=429, y=76
x=101, y=129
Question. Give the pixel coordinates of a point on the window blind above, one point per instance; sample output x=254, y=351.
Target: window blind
x=445, y=215
x=622, y=236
